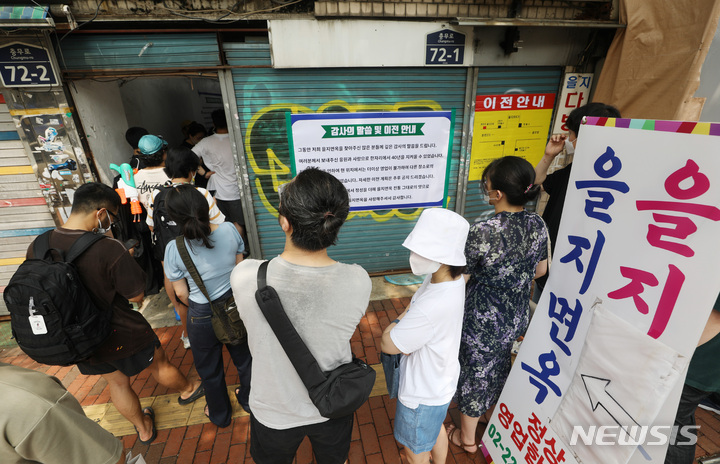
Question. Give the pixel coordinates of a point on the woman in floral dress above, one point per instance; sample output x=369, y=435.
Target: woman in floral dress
x=504, y=254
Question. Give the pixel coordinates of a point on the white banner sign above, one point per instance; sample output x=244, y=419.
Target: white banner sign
x=632, y=282
x=385, y=160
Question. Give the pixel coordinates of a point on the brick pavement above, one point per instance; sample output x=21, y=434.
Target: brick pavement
x=372, y=439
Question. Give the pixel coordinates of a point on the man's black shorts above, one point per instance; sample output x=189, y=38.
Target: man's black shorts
x=129, y=366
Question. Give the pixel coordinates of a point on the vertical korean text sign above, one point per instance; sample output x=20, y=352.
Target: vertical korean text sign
x=633, y=280
x=386, y=160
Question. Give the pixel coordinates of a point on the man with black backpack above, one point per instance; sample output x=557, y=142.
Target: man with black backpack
x=111, y=279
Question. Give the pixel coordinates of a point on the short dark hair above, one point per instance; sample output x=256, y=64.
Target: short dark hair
x=316, y=205
x=218, y=119
x=94, y=196
x=515, y=177
x=195, y=128
x=456, y=271
x=574, y=119
x=180, y=162
x=189, y=209
x=133, y=136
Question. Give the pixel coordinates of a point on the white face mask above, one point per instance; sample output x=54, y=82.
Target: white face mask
x=102, y=230
x=422, y=266
x=569, y=147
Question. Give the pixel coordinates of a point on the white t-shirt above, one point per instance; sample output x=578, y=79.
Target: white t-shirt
x=217, y=155
x=216, y=217
x=324, y=305
x=430, y=335
x=147, y=181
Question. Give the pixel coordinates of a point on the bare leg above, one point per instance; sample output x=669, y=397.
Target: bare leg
x=422, y=458
x=468, y=428
x=440, y=450
x=170, y=376
x=128, y=404
x=179, y=306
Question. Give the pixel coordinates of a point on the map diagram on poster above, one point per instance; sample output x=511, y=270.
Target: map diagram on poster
x=506, y=125
x=385, y=160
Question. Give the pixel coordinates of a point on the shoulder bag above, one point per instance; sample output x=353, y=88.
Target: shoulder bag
x=337, y=393
x=226, y=323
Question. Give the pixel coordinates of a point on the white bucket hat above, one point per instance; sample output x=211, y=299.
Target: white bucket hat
x=439, y=235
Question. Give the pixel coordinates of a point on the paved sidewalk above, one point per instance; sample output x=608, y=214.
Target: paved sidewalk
x=186, y=436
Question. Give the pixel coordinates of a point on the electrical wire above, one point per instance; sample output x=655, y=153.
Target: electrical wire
x=230, y=21
x=97, y=12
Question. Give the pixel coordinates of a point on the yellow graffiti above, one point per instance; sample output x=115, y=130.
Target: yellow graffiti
x=276, y=168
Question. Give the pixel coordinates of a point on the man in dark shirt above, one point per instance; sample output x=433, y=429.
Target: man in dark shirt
x=113, y=278
x=556, y=184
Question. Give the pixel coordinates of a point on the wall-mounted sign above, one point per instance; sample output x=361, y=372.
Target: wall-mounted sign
x=444, y=47
x=385, y=160
x=24, y=65
x=575, y=93
x=515, y=124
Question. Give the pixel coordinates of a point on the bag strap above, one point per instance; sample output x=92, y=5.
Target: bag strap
x=42, y=246
x=295, y=348
x=190, y=266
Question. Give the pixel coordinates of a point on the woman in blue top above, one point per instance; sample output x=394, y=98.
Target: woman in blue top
x=215, y=250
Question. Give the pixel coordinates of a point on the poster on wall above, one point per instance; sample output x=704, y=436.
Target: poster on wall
x=59, y=171
x=515, y=124
x=574, y=94
x=386, y=160
x=634, y=277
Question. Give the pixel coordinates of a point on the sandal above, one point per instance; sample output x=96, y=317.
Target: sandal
x=151, y=414
x=466, y=447
x=197, y=394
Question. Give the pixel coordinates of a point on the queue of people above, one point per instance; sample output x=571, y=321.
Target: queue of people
x=455, y=337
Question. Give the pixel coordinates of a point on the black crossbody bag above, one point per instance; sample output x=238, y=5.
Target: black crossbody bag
x=337, y=393
x=226, y=323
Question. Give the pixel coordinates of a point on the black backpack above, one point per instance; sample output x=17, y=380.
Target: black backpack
x=165, y=229
x=53, y=318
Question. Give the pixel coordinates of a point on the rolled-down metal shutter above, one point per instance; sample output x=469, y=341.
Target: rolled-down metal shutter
x=501, y=80
x=24, y=214
x=265, y=95
x=138, y=51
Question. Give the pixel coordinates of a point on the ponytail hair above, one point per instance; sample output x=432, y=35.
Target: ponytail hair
x=515, y=177
x=189, y=209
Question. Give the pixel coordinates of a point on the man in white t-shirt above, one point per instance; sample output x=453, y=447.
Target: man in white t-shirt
x=215, y=152
x=324, y=300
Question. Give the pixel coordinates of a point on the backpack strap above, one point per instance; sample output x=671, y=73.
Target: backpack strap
x=82, y=244
x=41, y=245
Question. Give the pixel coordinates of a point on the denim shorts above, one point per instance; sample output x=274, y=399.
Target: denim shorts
x=418, y=429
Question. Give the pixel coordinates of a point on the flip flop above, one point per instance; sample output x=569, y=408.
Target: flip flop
x=451, y=433
x=150, y=413
x=197, y=394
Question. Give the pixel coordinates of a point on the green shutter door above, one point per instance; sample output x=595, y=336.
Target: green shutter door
x=265, y=95
x=496, y=81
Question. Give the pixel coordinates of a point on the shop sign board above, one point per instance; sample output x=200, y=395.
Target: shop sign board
x=386, y=160
x=445, y=47
x=574, y=94
x=634, y=277
x=513, y=124
x=25, y=65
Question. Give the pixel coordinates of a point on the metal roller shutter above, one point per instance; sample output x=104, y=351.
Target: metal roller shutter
x=265, y=95
x=495, y=81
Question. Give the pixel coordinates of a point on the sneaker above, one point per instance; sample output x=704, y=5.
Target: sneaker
x=185, y=340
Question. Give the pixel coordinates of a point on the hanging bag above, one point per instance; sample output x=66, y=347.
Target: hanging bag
x=335, y=394
x=226, y=323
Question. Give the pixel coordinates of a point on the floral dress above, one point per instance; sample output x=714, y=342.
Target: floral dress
x=502, y=254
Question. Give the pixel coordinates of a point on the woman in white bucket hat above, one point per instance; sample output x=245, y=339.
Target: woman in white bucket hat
x=504, y=254
x=428, y=332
